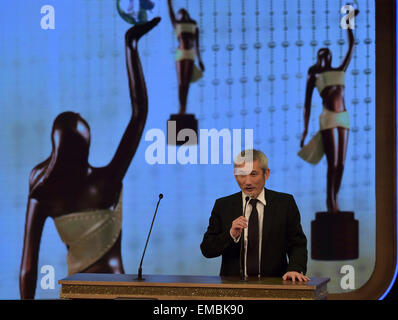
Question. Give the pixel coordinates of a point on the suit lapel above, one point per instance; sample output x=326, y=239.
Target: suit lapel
x=267, y=219
x=237, y=206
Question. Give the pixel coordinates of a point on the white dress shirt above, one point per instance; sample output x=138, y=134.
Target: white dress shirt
x=260, y=209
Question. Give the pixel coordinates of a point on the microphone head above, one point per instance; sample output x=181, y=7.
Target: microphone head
x=160, y=195
x=247, y=198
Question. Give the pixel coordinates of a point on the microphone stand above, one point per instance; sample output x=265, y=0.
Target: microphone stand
x=242, y=240
x=139, y=277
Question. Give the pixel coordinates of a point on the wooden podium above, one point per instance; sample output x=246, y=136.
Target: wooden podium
x=165, y=287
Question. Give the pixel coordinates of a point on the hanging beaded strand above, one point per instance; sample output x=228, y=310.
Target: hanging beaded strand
x=62, y=91
x=369, y=123
x=115, y=61
x=201, y=83
x=341, y=41
x=313, y=43
x=230, y=80
x=17, y=68
x=88, y=58
x=257, y=78
x=271, y=79
x=355, y=102
x=215, y=82
x=285, y=106
x=33, y=61
x=179, y=231
x=173, y=83
x=202, y=169
x=73, y=60
x=327, y=42
x=101, y=56
x=299, y=76
x=368, y=99
x=43, y=91
x=243, y=79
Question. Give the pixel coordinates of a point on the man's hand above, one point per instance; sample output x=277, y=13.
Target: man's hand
x=237, y=225
x=293, y=275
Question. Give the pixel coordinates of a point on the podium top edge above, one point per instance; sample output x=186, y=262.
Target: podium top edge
x=189, y=280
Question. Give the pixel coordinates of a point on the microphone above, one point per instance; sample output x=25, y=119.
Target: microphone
x=139, y=277
x=242, y=238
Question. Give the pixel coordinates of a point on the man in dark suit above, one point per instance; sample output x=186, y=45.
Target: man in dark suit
x=272, y=224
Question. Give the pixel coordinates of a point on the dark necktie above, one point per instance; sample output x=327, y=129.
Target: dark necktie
x=253, y=242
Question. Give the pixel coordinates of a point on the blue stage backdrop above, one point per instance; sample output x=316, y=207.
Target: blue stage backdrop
x=256, y=55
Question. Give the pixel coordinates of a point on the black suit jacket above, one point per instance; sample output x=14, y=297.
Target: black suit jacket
x=283, y=236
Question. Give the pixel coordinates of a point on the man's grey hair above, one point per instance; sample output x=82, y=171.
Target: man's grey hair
x=250, y=155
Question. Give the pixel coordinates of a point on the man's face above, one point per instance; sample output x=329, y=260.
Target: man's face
x=253, y=182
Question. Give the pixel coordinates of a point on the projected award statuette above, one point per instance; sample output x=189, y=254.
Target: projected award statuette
x=187, y=33
x=85, y=202
x=334, y=233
